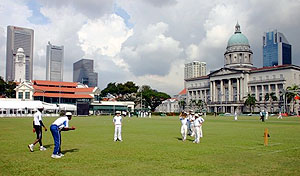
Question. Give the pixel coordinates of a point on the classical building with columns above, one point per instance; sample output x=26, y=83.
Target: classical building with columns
x=226, y=89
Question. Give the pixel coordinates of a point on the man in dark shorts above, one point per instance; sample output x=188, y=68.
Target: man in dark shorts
x=37, y=127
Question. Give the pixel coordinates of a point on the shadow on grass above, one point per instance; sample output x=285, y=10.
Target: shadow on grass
x=70, y=150
x=180, y=139
x=48, y=145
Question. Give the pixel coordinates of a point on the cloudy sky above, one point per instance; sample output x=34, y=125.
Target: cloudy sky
x=146, y=41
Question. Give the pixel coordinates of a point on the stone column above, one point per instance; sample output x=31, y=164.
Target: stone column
x=277, y=91
x=221, y=91
x=229, y=90
x=262, y=92
x=214, y=90
x=211, y=91
x=238, y=89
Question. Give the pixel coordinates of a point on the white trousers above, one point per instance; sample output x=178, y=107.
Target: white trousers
x=192, y=129
x=183, y=132
x=201, y=133
x=118, y=129
x=197, y=134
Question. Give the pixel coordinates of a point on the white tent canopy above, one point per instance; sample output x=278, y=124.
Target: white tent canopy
x=19, y=104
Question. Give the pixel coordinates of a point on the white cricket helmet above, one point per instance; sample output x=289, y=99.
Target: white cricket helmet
x=68, y=114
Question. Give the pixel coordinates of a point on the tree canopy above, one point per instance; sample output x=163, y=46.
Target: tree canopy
x=7, y=88
x=129, y=91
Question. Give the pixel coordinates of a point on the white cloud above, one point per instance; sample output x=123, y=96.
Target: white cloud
x=153, y=53
x=104, y=36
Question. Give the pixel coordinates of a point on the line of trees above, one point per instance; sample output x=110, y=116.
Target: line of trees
x=129, y=91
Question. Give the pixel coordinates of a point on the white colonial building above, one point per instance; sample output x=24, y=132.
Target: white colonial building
x=226, y=89
x=169, y=105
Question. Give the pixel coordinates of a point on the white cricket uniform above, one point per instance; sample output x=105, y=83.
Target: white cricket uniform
x=267, y=115
x=61, y=122
x=198, y=129
x=118, y=127
x=37, y=117
x=192, y=126
x=183, y=129
x=235, y=116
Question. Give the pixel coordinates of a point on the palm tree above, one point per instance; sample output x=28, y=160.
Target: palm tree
x=250, y=101
x=291, y=92
x=199, y=104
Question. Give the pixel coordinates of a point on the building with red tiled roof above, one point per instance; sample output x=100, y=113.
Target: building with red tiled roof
x=56, y=92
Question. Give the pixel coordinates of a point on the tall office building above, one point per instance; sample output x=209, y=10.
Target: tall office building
x=18, y=37
x=83, y=72
x=194, y=69
x=276, y=49
x=54, y=62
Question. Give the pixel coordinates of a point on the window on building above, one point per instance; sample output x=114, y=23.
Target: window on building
x=267, y=77
x=27, y=95
x=260, y=78
x=281, y=75
x=294, y=75
x=274, y=76
x=20, y=95
x=254, y=78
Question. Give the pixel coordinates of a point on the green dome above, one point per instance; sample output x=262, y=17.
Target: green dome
x=237, y=39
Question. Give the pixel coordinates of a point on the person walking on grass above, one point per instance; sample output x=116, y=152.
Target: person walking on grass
x=198, y=130
x=37, y=128
x=60, y=124
x=235, y=116
x=262, y=115
x=117, y=120
x=279, y=115
x=183, y=119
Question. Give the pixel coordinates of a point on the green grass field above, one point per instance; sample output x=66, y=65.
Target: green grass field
x=153, y=147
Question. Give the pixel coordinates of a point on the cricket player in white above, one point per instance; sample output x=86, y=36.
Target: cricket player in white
x=267, y=115
x=37, y=128
x=183, y=119
x=117, y=120
x=192, y=126
x=235, y=116
x=198, y=128
x=279, y=115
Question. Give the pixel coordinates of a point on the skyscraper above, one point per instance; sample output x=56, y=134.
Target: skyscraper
x=83, y=72
x=194, y=69
x=54, y=62
x=276, y=49
x=18, y=37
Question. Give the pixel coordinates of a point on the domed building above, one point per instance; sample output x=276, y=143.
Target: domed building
x=238, y=53
x=226, y=89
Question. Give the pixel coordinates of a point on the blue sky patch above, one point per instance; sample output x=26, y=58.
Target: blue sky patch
x=123, y=14
x=37, y=17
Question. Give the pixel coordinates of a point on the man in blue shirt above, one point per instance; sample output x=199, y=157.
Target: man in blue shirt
x=60, y=124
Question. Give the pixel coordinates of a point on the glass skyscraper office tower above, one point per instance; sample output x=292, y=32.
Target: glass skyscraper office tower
x=54, y=62
x=276, y=49
x=18, y=37
x=83, y=72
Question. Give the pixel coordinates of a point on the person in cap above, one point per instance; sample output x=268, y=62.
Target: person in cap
x=37, y=128
x=201, y=120
x=183, y=119
x=191, y=120
x=198, y=127
x=60, y=124
x=117, y=120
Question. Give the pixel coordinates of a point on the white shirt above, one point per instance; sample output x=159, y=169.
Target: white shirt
x=191, y=118
x=37, y=117
x=117, y=120
x=61, y=122
x=198, y=122
x=183, y=121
